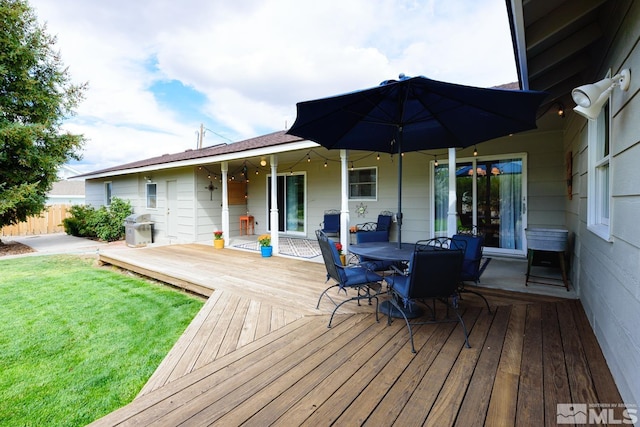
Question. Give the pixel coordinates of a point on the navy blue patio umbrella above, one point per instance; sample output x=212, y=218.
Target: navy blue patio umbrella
x=412, y=114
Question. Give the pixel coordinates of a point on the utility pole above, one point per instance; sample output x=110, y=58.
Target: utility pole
x=201, y=136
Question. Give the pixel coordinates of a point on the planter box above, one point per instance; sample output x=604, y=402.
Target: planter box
x=547, y=239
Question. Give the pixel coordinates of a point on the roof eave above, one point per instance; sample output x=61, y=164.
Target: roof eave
x=256, y=152
x=516, y=24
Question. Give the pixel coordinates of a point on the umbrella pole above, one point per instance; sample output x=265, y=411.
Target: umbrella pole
x=399, y=213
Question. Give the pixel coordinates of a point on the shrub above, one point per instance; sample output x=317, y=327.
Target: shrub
x=77, y=223
x=106, y=223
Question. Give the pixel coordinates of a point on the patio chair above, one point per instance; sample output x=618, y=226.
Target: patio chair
x=434, y=274
x=366, y=283
x=380, y=229
x=331, y=223
x=474, y=263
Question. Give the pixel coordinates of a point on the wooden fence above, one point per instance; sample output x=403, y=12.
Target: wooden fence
x=50, y=221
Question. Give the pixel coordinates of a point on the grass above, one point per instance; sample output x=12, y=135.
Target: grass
x=78, y=341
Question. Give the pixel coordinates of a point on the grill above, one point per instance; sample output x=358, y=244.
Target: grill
x=138, y=230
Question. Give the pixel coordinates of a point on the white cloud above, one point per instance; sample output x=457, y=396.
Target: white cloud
x=253, y=60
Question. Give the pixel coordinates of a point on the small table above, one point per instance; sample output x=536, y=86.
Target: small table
x=546, y=259
x=389, y=251
x=246, y=224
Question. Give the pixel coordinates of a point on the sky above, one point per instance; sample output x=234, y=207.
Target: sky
x=158, y=69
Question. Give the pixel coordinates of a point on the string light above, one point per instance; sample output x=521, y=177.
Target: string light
x=377, y=156
x=436, y=161
x=308, y=158
x=325, y=164
x=475, y=151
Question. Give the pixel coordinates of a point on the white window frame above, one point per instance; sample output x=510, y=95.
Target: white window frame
x=599, y=174
x=359, y=198
x=147, y=200
x=108, y=193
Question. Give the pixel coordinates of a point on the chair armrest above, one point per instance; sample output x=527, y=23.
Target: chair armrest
x=367, y=226
x=397, y=270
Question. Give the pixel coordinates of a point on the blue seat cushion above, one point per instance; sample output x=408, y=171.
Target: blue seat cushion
x=358, y=275
x=331, y=223
x=372, y=236
x=399, y=283
x=384, y=223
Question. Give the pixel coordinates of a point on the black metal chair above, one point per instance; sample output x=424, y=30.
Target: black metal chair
x=379, y=229
x=434, y=274
x=474, y=263
x=365, y=282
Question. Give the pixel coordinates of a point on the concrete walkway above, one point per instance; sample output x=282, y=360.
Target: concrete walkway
x=60, y=243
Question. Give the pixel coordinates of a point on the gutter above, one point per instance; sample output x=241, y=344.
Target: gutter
x=240, y=155
x=516, y=24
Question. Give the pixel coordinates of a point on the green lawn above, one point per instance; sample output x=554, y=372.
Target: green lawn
x=78, y=341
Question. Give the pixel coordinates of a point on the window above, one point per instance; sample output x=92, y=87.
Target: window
x=363, y=184
x=151, y=195
x=107, y=193
x=599, y=184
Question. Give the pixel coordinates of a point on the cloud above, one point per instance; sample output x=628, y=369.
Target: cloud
x=251, y=61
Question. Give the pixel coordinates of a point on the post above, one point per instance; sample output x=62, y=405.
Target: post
x=452, y=214
x=344, y=200
x=273, y=159
x=224, y=168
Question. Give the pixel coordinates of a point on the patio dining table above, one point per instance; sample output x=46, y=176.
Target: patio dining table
x=384, y=251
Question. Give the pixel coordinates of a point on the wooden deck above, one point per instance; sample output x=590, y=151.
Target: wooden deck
x=259, y=353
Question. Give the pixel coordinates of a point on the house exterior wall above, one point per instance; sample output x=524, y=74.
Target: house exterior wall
x=607, y=273
x=132, y=187
x=546, y=185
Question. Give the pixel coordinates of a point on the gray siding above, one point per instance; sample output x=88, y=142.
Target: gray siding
x=608, y=273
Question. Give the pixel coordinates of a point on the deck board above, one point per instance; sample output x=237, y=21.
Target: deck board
x=265, y=356
x=530, y=391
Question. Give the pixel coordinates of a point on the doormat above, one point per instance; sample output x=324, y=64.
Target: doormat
x=302, y=248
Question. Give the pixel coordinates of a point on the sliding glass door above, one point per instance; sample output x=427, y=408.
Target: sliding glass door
x=291, y=203
x=491, y=195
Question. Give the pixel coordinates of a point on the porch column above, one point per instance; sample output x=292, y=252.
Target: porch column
x=344, y=201
x=273, y=159
x=452, y=215
x=224, y=168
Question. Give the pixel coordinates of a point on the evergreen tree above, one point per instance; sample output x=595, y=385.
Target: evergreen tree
x=36, y=95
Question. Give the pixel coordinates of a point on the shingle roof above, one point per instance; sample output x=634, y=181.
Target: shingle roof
x=67, y=188
x=269, y=140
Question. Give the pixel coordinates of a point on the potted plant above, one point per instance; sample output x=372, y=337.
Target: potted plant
x=218, y=241
x=265, y=245
x=343, y=257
